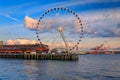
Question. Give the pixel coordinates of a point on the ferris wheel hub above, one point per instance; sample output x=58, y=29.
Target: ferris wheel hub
x=60, y=29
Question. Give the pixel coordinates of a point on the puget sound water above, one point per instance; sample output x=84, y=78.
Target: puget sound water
x=89, y=67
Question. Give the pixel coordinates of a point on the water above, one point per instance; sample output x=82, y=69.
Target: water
x=89, y=67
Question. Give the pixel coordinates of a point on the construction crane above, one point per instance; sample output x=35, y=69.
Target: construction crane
x=101, y=49
x=96, y=50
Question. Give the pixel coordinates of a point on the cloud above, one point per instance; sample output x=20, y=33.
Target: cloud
x=84, y=2
x=69, y=3
x=8, y=16
x=20, y=41
x=50, y=26
x=92, y=42
x=29, y=22
x=60, y=44
x=31, y=8
x=102, y=23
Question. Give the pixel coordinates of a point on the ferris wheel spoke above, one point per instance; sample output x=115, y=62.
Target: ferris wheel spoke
x=53, y=42
x=64, y=33
x=49, y=38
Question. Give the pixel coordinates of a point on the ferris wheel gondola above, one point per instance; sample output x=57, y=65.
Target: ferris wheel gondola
x=60, y=30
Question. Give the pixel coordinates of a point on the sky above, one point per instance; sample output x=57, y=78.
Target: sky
x=101, y=19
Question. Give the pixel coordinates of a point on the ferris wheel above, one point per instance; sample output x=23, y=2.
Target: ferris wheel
x=61, y=29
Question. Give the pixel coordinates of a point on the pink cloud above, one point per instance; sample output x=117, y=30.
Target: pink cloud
x=20, y=41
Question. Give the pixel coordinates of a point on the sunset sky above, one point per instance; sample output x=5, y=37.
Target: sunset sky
x=102, y=18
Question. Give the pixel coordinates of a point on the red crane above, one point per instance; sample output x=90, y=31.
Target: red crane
x=103, y=50
x=97, y=49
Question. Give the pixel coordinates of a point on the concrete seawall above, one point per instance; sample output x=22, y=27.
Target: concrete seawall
x=41, y=56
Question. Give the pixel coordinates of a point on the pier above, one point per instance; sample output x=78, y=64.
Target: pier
x=40, y=56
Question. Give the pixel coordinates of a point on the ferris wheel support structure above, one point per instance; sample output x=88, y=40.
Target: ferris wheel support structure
x=60, y=29
x=63, y=37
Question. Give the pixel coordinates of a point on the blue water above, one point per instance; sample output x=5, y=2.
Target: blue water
x=89, y=67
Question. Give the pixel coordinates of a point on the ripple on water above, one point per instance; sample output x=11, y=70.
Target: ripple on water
x=89, y=67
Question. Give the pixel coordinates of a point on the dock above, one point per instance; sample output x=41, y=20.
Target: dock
x=40, y=56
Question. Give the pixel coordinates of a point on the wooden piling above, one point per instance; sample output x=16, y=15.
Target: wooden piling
x=39, y=56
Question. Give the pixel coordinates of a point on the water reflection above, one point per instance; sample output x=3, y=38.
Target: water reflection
x=89, y=67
